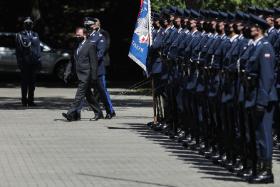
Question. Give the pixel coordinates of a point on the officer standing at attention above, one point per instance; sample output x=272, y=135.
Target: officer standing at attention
x=260, y=71
x=28, y=53
x=96, y=38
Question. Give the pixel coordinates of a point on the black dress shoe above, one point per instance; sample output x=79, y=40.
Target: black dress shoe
x=236, y=168
x=108, y=116
x=181, y=136
x=150, y=124
x=69, y=117
x=262, y=178
x=78, y=116
x=265, y=176
x=245, y=173
x=114, y=114
x=97, y=117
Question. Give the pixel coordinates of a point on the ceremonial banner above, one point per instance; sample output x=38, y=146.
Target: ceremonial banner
x=142, y=36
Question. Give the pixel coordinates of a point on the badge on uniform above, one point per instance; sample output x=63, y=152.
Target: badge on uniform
x=267, y=55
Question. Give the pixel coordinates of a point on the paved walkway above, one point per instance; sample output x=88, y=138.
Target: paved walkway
x=38, y=148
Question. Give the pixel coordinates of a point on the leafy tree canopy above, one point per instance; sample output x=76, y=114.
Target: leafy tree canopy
x=230, y=5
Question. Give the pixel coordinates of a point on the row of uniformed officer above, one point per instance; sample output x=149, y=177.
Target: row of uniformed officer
x=215, y=76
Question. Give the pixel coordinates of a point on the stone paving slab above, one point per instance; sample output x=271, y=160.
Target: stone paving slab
x=39, y=148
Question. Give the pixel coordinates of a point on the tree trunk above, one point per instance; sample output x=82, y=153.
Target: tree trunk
x=36, y=13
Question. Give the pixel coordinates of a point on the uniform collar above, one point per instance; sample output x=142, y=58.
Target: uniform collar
x=233, y=38
x=180, y=29
x=251, y=42
x=94, y=32
x=223, y=36
x=194, y=32
x=256, y=42
x=270, y=29
x=167, y=29
x=241, y=36
x=216, y=35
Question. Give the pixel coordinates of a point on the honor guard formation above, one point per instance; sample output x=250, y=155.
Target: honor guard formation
x=216, y=85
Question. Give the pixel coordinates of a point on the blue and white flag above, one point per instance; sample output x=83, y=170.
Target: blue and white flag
x=142, y=36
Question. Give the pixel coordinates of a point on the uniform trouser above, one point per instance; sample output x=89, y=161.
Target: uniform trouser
x=180, y=108
x=202, y=106
x=250, y=120
x=215, y=134
x=157, y=94
x=100, y=90
x=186, y=112
x=243, y=127
x=28, y=82
x=230, y=130
x=108, y=98
x=194, y=127
x=263, y=130
x=174, y=92
x=84, y=91
x=276, y=124
x=228, y=127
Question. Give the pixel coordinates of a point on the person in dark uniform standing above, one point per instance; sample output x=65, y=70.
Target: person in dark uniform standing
x=262, y=98
x=87, y=71
x=28, y=53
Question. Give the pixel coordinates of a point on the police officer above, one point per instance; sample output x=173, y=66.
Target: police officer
x=99, y=40
x=106, y=62
x=260, y=72
x=28, y=53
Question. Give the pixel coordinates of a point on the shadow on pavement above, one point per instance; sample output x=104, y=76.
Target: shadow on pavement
x=188, y=156
x=60, y=103
x=125, y=180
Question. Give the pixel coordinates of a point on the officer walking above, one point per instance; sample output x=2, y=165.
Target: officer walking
x=98, y=39
x=28, y=53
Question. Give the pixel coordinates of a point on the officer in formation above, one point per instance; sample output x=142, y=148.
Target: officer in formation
x=216, y=85
x=28, y=53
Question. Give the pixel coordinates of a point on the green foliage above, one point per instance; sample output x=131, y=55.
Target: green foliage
x=159, y=4
x=230, y=5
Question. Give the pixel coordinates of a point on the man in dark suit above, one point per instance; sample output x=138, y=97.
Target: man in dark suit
x=87, y=70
